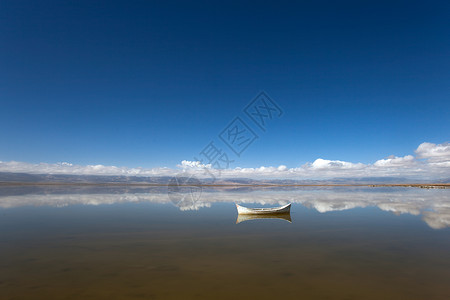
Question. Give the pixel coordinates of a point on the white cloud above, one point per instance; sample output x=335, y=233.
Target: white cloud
x=71, y=169
x=320, y=163
x=433, y=163
x=187, y=164
x=282, y=168
x=394, y=161
x=433, y=152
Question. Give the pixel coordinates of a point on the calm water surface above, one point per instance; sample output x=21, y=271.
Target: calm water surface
x=125, y=243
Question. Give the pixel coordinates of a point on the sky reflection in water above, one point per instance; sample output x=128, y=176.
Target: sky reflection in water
x=431, y=205
x=343, y=243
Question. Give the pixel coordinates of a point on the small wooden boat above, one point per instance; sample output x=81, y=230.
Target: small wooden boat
x=263, y=211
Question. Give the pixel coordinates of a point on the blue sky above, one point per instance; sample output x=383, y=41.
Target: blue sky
x=146, y=84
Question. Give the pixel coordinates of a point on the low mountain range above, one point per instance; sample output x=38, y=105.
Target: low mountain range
x=6, y=177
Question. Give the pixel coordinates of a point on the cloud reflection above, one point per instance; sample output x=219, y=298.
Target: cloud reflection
x=432, y=205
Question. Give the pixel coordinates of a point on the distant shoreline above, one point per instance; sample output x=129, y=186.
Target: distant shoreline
x=416, y=185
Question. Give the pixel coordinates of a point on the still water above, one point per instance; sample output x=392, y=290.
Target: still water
x=139, y=243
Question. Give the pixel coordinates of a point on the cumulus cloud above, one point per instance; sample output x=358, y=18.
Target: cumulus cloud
x=282, y=168
x=320, y=163
x=435, y=155
x=433, y=152
x=394, y=161
x=72, y=169
x=188, y=164
x=432, y=162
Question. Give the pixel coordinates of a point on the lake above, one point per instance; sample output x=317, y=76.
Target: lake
x=103, y=242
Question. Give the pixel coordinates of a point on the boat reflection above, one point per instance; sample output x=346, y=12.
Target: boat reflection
x=243, y=218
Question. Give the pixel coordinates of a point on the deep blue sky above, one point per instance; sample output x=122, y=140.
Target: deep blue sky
x=140, y=83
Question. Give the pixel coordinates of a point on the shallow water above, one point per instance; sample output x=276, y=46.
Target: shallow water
x=135, y=243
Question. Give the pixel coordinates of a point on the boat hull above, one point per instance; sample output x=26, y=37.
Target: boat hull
x=263, y=211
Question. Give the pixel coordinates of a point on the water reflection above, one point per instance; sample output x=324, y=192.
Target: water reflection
x=433, y=206
x=243, y=218
x=134, y=243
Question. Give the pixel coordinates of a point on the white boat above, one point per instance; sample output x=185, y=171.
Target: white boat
x=262, y=211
